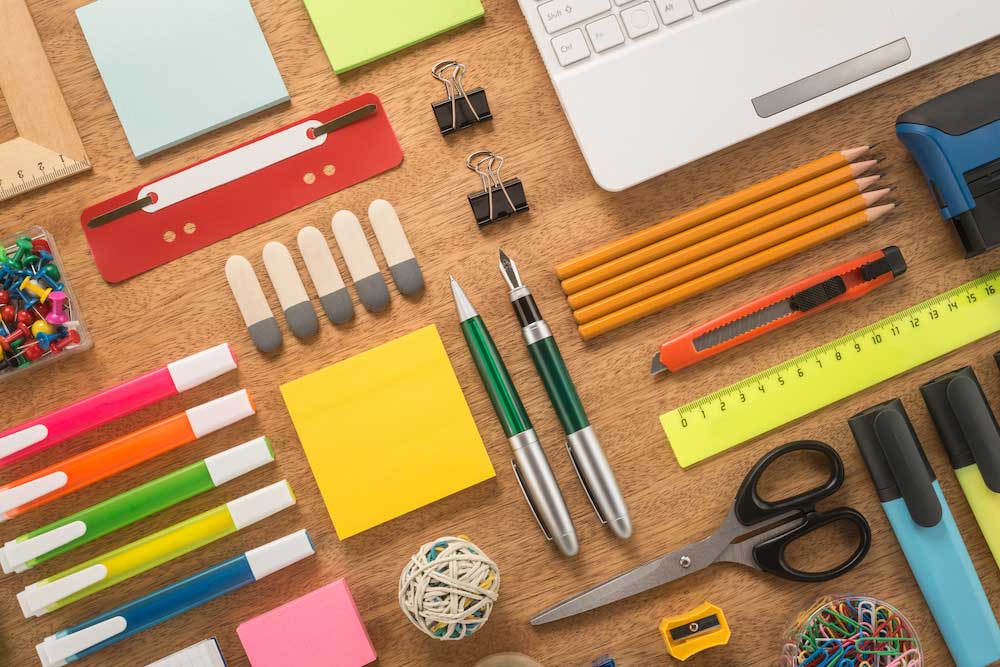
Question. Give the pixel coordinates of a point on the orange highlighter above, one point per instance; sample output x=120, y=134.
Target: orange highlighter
x=129, y=450
x=845, y=282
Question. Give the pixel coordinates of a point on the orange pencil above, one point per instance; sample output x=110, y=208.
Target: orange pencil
x=826, y=208
x=710, y=211
x=795, y=202
x=731, y=272
x=129, y=450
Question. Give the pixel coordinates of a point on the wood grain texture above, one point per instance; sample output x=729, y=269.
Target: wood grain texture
x=186, y=305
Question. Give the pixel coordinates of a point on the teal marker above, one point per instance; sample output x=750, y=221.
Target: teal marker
x=38, y=546
x=584, y=448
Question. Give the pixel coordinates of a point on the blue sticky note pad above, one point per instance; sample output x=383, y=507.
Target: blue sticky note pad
x=176, y=69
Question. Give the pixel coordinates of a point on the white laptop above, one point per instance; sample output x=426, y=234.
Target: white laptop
x=650, y=85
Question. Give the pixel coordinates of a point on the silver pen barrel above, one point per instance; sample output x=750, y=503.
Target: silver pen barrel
x=542, y=491
x=599, y=480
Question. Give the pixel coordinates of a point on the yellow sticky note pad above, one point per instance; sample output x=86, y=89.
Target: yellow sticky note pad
x=387, y=431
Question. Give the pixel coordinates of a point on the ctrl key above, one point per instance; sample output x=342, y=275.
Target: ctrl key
x=571, y=47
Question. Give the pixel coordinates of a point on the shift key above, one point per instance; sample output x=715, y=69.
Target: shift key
x=559, y=14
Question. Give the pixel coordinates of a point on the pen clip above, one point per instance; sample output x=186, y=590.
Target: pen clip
x=531, y=505
x=583, y=483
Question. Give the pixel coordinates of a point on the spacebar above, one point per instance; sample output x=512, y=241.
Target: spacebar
x=559, y=14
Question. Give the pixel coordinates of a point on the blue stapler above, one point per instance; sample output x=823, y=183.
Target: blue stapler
x=955, y=138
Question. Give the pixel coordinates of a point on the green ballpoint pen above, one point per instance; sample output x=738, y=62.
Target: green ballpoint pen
x=530, y=465
x=584, y=448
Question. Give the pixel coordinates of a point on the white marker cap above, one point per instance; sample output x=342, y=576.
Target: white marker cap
x=260, y=504
x=220, y=413
x=279, y=554
x=202, y=366
x=35, y=599
x=16, y=553
x=23, y=494
x=55, y=651
x=239, y=460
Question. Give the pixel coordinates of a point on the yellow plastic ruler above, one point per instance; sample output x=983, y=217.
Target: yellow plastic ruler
x=820, y=377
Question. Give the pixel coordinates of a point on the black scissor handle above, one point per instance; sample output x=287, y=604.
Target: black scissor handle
x=769, y=555
x=751, y=509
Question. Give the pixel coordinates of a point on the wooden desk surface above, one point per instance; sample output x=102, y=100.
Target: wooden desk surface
x=185, y=306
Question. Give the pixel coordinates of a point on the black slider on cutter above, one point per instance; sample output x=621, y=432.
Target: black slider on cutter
x=499, y=199
x=461, y=109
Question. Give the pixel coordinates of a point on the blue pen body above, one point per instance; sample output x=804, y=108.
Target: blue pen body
x=944, y=571
x=162, y=605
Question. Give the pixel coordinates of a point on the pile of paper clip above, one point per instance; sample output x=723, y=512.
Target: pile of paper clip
x=853, y=631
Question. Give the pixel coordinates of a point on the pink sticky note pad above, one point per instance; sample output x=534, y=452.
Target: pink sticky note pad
x=320, y=629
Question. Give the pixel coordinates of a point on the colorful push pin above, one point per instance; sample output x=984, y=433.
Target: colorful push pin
x=8, y=313
x=25, y=317
x=71, y=338
x=4, y=298
x=45, y=340
x=17, y=334
x=42, y=327
x=40, y=245
x=693, y=632
x=24, y=248
x=57, y=314
x=33, y=352
x=29, y=285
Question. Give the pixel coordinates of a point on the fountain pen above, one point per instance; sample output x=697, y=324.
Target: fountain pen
x=531, y=467
x=581, y=442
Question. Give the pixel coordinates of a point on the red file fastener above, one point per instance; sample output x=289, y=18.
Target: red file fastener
x=845, y=282
x=174, y=215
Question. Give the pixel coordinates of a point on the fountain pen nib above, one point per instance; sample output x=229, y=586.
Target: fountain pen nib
x=509, y=271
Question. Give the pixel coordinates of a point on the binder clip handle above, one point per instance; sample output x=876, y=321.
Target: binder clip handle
x=460, y=108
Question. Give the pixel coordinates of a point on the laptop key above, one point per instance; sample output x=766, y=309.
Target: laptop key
x=571, y=47
x=708, y=4
x=559, y=14
x=639, y=20
x=672, y=11
x=605, y=33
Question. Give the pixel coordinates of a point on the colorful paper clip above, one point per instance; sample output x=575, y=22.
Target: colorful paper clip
x=693, y=632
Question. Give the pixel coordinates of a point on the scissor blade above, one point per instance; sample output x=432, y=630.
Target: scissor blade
x=675, y=565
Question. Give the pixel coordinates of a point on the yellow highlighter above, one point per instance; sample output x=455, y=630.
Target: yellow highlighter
x=971, y=436
x=142, y=555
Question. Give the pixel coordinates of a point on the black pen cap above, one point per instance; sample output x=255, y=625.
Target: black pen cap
x=896, y=461
x=967, y=425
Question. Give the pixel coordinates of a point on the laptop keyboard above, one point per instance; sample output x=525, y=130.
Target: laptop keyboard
x=583, y=28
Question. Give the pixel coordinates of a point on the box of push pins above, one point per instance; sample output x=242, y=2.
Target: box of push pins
x=40, y=320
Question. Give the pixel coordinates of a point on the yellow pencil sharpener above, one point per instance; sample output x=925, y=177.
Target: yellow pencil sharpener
x=693, y=632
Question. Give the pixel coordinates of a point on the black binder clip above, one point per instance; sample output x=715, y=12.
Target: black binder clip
x=499, y=199
x=462, y=108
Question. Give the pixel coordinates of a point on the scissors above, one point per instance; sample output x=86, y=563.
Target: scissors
x=755, y=534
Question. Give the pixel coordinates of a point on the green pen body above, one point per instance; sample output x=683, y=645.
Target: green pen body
x=506, y=401
x=558, y=384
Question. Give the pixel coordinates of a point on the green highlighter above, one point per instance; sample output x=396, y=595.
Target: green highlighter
x=531, y=467
x=59, y=537
x=584, y=448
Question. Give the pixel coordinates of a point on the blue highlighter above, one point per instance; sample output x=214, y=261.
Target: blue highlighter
x=926, y=530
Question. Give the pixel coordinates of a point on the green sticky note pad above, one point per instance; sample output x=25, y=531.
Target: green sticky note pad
x=355, y=32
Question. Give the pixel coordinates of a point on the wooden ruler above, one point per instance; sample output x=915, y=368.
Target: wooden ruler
x=48, y=146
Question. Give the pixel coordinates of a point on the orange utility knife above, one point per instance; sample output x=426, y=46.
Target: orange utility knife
x=845, y=282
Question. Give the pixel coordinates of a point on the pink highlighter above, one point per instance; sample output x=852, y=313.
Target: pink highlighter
x=98, y=409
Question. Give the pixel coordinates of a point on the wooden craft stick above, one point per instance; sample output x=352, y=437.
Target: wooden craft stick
x=733, y=253
x=731, y=272
x=256, y=312
x=396, y=248
x=368, y=280
x=291, y=292
x=810, y=196
x=333, y=294
x=848, y=199
x=708, y=212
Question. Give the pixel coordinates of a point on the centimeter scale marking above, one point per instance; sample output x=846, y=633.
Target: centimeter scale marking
x=831, y=372
x=38, y=174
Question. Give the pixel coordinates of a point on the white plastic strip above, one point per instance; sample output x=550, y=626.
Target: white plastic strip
x=18, y=440
x=220, y=413
x=231, y=166
x=202, y=366
x=260, y=504
x=55, y=651
x=238, y=460
x=281, y=553
x=22, y=494
x=16, y=553
x=37, y=597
